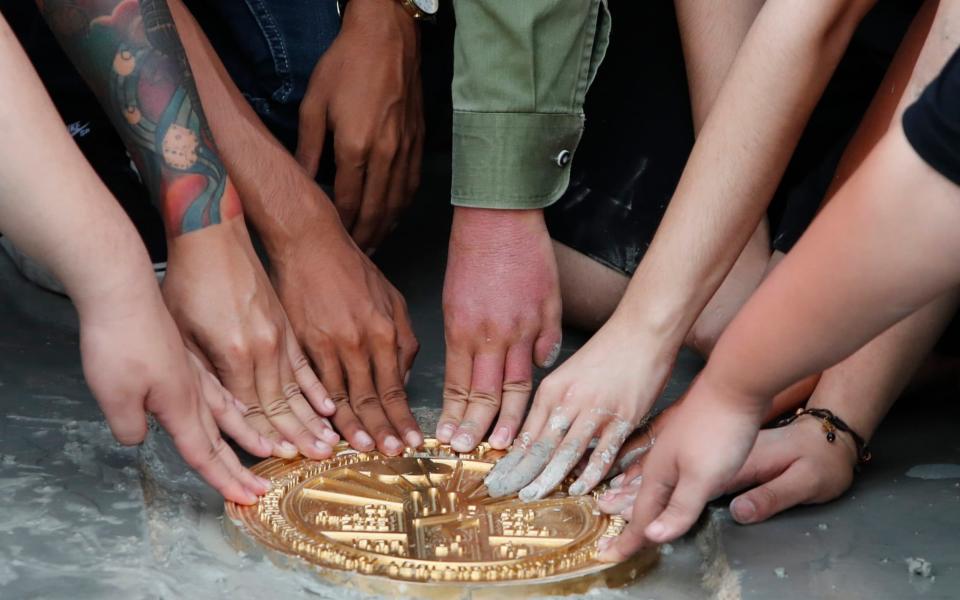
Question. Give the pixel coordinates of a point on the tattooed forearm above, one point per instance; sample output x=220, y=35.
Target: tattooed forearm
x=131, y=55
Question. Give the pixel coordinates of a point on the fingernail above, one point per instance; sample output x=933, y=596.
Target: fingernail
x=553, y=356
x=364, y=441
x=414, y=439
x=463, y=443
x=330, y=436
x=500, y=438
x=329, y=406
x=743, y=509
x=243, y=408
x=608, y=496
x=250, y=498
x=617, y=481
x=656, y=530
x=604, y=543
x=323, y=447
x=287, y=448
x=627, y=512
x=636, y=481
x=445, y=432
x=392, y=445
x=531, y=492
x=578, y=489
x=266, y=484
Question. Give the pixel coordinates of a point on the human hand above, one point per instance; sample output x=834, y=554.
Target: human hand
x=792, y=465
x=231, y=319
x=366, y=89
x=695, y=456
x=355, y=327
x=135, y=363
x=501, y=312
x=597, y=394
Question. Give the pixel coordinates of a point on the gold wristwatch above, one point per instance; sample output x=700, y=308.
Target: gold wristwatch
x=420, y=10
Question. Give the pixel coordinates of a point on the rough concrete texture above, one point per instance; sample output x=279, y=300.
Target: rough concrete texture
x=84, y=517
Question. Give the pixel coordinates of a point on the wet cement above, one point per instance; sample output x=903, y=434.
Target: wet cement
x=86, y=518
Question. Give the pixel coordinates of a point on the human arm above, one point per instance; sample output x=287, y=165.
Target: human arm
x=352, y=322
x=130, y=55
x=366, y=90
x=843, y=284
x=521, y=74
x=55, y=208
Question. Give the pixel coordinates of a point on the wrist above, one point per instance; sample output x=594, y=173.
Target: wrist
x=497, y=225
x=380, y=15
x=289, y=217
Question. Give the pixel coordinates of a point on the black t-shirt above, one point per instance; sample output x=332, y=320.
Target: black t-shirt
x=932, y=123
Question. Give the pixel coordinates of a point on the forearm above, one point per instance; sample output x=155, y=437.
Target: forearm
x=64, y=216
x=278, y=197
x=737, y=162
x=711, y=34
x=131, y=56
x=845, y=282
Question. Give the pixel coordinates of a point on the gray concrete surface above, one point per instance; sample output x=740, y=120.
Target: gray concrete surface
x=85, y=518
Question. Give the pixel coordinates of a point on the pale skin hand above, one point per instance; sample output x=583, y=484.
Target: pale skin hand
x=231, y=318
x=135, y=363
x=133, y=357
x=787, y=466
x=353, y=324
x=366, y=90
x=686, y=467
x=501, y=312
x=596, y=394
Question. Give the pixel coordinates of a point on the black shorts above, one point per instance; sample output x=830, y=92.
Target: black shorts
x=639, y=134
x=932, y=123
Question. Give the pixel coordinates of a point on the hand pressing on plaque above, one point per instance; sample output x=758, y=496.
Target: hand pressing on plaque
x=366, y=90
x=501, y=313
x=695, y=457
x=594, y=400
x=135, y=363
x=231, y=318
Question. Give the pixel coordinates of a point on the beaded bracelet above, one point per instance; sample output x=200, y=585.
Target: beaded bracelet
x=831, y=423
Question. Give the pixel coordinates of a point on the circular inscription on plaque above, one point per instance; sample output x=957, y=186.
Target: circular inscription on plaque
x=422, y=517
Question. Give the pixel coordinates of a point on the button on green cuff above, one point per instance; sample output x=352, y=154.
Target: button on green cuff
x=512, y=160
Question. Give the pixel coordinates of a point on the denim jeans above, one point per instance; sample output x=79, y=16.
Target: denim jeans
x=270, y=48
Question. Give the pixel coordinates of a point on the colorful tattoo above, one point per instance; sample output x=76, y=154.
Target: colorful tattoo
x=130, y=53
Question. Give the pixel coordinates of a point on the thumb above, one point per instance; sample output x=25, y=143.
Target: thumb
x=761, y=503
x=311, y=135
x=682, y=511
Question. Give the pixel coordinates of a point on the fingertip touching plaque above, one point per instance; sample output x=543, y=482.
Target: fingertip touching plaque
x=425, y=518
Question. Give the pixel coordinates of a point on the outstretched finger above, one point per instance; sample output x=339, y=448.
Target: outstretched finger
x=483, y=402
x=275, y=395
x=228, y=413
x=536, y=458
x=654, y=495
x=202, y=453
x=456, y=390
x=326, y=437
x=563, y=460
x=615, y=432
x=256, y=485
x=306, y=377
x=393, y=396
x=366, y=403
x=517, y=386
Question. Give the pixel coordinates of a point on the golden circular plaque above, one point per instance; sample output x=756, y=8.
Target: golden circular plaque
x=424, y=518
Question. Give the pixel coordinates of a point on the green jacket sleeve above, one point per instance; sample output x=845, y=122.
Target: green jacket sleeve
x=521, y=71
